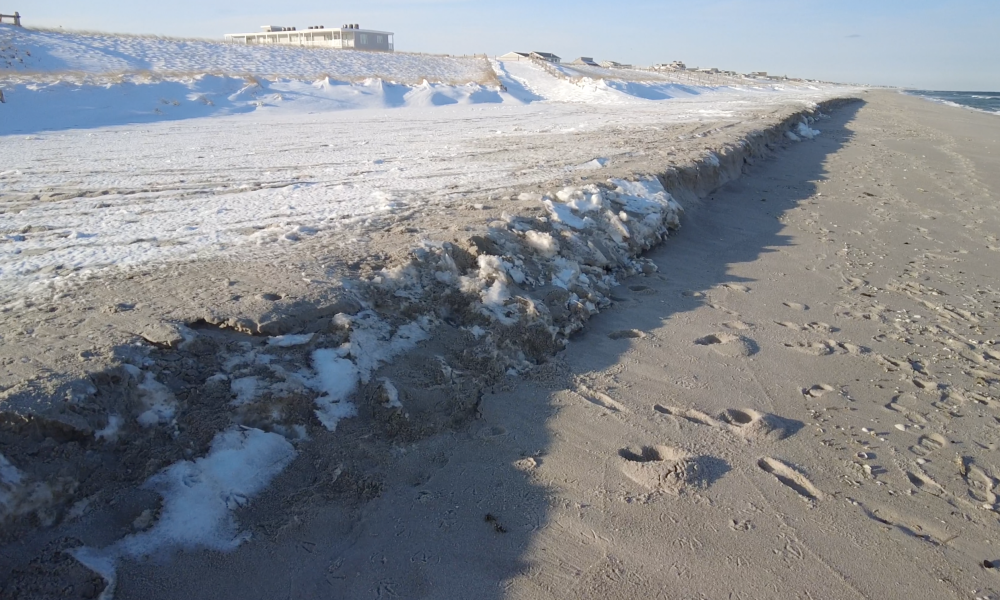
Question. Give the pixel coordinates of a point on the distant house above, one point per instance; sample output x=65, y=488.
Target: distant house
x=674, y=66
x=546, y=56
x=610, y=64
x=585, y=60
x=515, y=56
x=347, y=37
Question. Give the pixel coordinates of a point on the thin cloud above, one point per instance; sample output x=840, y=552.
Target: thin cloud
x=854, y=36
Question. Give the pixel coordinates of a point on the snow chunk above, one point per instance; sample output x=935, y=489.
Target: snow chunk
x=10, y=485
x=391, y=394
x=373, y=343
x=562, y=213
x=337, y=378
x=542, y=242
x=110, y=431
x=287, y=341
x=491, y=268
x=597, y=163
x=159, y=402
x=245, y=389
x=198, y=500
x=805, y=131
x=494, y=299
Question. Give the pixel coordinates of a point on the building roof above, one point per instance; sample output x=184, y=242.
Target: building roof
x=545, y=55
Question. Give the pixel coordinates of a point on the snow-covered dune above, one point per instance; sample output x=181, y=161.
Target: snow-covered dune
x=220, y=161
x=56, y=81
x=96, y=53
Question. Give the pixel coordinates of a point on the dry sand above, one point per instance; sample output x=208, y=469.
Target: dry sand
x=802, y=403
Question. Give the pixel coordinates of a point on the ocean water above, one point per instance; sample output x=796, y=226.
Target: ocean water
x=984, y=101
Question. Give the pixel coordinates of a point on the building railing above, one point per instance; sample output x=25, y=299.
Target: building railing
x=16, y=17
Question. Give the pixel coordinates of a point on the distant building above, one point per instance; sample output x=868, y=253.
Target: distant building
x=515, y=56
x=348, y=37
x=674, y=66
x=546, y=56
x=610, y=64
x=585, y=60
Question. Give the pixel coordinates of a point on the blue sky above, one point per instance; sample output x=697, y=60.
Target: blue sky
x=915, y=43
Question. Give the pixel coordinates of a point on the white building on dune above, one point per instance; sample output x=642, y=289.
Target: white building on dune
x=546, y=56
x=348, y=37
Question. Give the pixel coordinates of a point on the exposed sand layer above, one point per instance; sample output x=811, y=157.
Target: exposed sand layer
x=800, y=403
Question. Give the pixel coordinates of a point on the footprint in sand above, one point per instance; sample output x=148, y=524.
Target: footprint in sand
x=854, y=283
x=982, y=487
x=735, y=287
x=693, y=294
x=928, y=444
x=911, y=526
x=665, y=469
x=626, y=334
x=907, y=404
x=729, y=344
x=599, y=398
x=745, y=422
x=737, y=325
x=790, y=477
x=795, y=306
x=818, y=390
x=922, y=481
x=813, y=348
x=814, y=326
x=827, y=347
x=642, y=290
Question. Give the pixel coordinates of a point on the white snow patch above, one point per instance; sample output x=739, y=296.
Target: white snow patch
x=542, y=242
x=805, y=131
x=158, y=401
x=287, y=341
x=373, y=343
x=337, y=378
x=198, y=500
x=494, y=302
x=391, y=394
x=597, y=163
x=109, y=432
x=11, y=479
x=561, y=213
x=245, y=389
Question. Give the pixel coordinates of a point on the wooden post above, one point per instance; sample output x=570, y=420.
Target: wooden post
x=17, y=19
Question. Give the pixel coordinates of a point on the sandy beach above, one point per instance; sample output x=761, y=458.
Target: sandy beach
x=800, y=402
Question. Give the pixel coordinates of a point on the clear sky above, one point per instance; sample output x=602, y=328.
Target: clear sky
x=928, y=44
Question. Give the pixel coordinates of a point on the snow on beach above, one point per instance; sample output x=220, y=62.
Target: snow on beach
x=164, y=167
x=125, y=151
x=38, y=54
